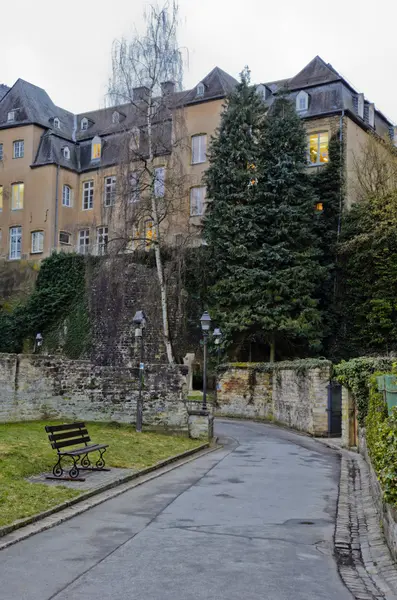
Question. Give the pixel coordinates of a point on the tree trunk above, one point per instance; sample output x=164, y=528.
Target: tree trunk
x=157, y=249
x=272, y=344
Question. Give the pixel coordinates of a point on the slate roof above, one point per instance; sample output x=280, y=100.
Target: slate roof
x=329, y=93
x=3, y=90
x=217, y=84
x=32, y=105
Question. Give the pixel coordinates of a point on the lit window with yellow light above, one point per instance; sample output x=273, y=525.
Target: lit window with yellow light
x=96, y=148
x=318, y=148
x=150, y=234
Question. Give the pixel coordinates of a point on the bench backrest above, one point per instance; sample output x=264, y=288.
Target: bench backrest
x=69, y=434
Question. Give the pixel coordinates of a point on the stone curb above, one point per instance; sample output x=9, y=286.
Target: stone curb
x=49, y=518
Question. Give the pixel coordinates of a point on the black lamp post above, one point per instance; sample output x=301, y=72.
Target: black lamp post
x=139, y=321
x=205, y=326
x=217, y=335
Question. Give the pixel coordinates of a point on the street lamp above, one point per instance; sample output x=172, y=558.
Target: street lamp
x=38, y=342
x=205, y=326
x=217, y=335
x=139, y=321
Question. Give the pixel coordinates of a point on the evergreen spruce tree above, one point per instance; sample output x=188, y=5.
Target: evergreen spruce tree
x=265, y=252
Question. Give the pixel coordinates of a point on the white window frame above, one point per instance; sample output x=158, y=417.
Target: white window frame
x=88, y=195
x=66, y=152
x=18, y=204
x=15, y=245
x=102, y=239
x=197, y=200
x=11, y=116
x=200, y=90
x=199, y=148
x=1, y=151
x=134, y=139
x=96, y=142
x=115, y=117
x=302, y=101
x=84, y=124
x=109, y=194
x=159, y=182
x=84, y=241
x=37, y=242
x=318, y=134
x=134, y=195
x=69, y=242
x=67, y=195
x=18, y=149
x=57, y=123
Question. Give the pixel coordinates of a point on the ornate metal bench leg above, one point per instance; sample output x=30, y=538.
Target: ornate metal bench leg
x=74, y=471
x=85, y=461
x=57, y=471
x=100, y=463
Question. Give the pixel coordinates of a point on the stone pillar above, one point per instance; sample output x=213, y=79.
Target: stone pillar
x=188, y=361
x=201, y=425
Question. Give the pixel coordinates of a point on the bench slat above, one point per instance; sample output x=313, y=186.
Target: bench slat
x=54, y=437
x=62, y=444
x=84, y=450
x=64, y=427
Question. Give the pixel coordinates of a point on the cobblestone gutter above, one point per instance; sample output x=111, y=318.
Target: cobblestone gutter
x=364, y=560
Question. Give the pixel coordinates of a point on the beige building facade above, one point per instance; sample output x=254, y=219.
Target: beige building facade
x=62, y=175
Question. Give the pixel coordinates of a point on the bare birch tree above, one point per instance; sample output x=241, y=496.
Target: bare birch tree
x=152, y=184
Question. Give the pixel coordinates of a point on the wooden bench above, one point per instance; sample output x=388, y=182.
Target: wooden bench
x=73, y=434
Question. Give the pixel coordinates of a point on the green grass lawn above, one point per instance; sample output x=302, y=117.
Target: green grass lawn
x=25, y=450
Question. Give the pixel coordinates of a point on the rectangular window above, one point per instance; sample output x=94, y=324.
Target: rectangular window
x=1, y=198
x=88, y=195
x=15, y=242
x=102, y=238
x=1, y=152
x=19, y=147
x=199, y=149
x=134, y=187
x=65, y=238
x=84, y=241
x=110, y=190
x=159, y=182
x=37, y=242
x=318, y=148
x=67, y=195
x=11, y=115
x=17, y=193
x=197, y=195
x=96, y=150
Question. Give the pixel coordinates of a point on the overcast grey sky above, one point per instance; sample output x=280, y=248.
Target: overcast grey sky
x=64, y=47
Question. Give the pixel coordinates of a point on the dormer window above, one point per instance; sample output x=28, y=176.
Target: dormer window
x=84, y=124
x=200, y=90
x=66, y=153
x=371, y=115
x=57, y=123
x=116, y=117
x=11, y=116
x=134, y=139
x=302, y=101
x=96, y=148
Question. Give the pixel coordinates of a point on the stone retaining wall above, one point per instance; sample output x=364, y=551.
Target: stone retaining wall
x=48, y=387
x=295, y=397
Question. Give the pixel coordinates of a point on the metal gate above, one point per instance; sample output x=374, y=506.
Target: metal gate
x=334, y=409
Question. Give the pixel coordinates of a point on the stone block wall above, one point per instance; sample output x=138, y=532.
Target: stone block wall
x=48, y=387
x=292, y=396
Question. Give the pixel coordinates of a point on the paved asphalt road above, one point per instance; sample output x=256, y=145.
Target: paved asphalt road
x=253, y=521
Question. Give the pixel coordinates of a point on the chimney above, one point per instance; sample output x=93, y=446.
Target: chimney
x=140, y=94
x=167, y=88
